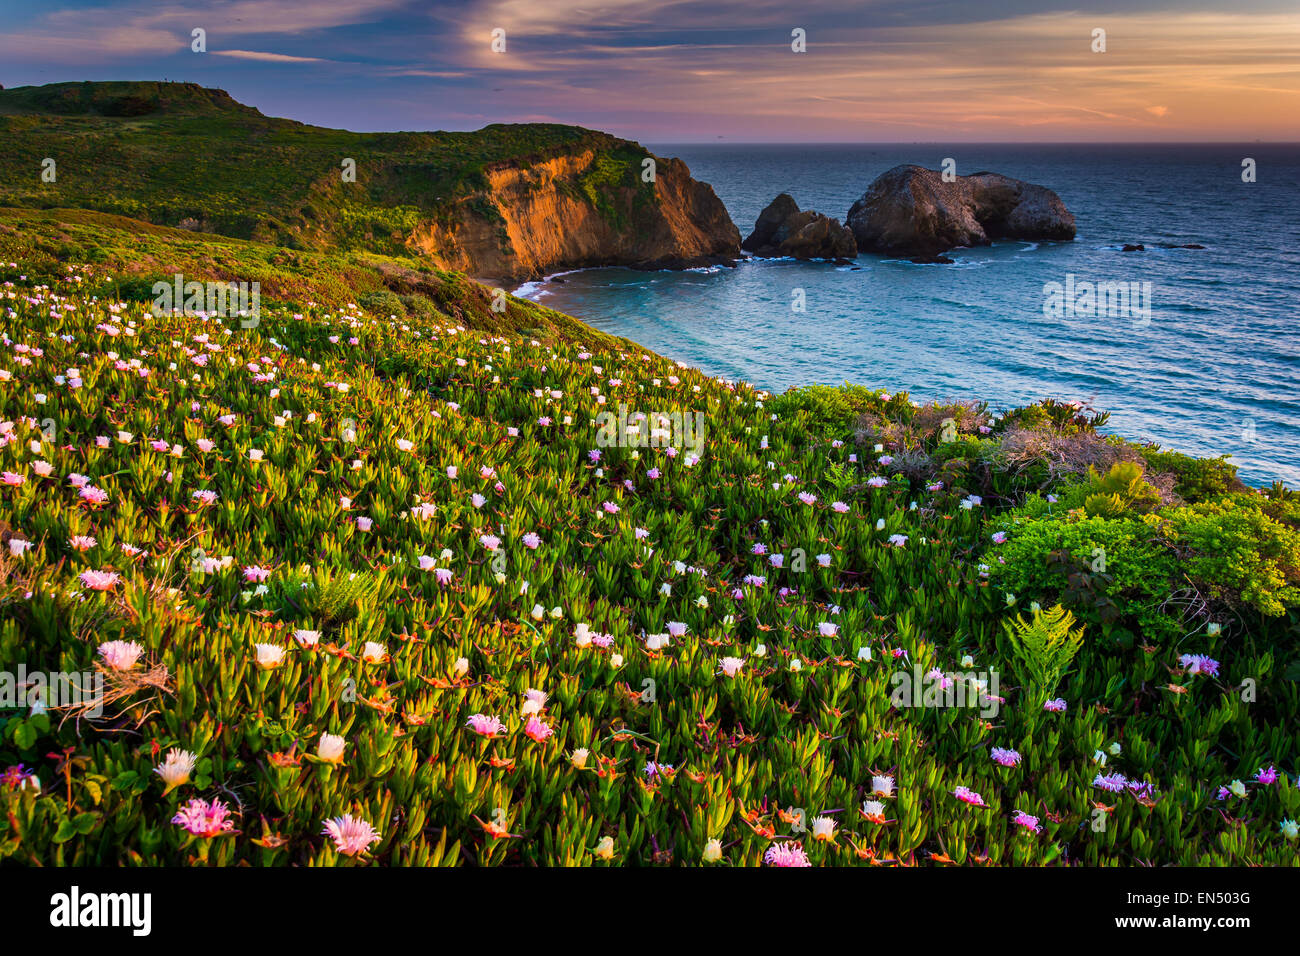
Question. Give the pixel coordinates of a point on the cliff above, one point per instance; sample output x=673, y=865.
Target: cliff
x=506, y=203
x=586, y=208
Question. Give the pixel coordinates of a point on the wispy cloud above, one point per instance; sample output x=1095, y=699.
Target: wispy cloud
x=267, y=57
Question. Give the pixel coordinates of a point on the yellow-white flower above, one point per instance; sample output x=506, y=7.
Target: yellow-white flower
x=461, y=667
x=823, y=828
x=579, y=758
x=373, y=653
x=176, y=768
x=269, y=655
x=712, y=851
x=605, y=848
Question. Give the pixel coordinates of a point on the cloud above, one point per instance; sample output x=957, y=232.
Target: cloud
x=267, y=57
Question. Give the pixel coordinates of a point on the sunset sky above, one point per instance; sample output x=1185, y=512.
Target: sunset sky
x=665, y=71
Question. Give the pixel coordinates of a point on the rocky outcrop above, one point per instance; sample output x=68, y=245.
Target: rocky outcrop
x=541, y=218
x=782, y=230
x=911, y=211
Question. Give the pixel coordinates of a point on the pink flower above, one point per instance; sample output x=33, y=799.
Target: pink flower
x=256, y=574
x=100, y=580
x=120, y=655
x=786, y=854
x=839, y=507
x=1056, y=706
x=443, y=575
x=10, y=478
x=1028, y=821
x=82, y=542
x=205, y=445
x=1200, y=664
x=1007, y=758
x=536, y=729
x=485, y=725
x=806, y=498
x=1266, y=776
x=489, y=541
x=351, y=835
x=1114, y=783
x=531, y=541
x=876, y=481
x=364, y=524
x=93, y=495
x=205, y=496
x=966, y=795
x=999, y=537
x=204, y=819
x=610, y=507
x=427, y=563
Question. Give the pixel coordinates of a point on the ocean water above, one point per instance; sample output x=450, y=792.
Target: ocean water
x=1212, y=368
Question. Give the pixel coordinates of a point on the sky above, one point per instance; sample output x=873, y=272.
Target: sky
x=678, y=71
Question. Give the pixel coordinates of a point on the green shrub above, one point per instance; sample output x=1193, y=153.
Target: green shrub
x=828, y=411
x=1238, y=551
x=1140, y=569
x=1198, y=479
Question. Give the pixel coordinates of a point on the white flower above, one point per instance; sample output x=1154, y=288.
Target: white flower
x=713, y=851
x=373, y=653
x=176, y=768
x=330, y=748
x=731, y=666
x=823, y=828
x=269, y=655
x=864, y=653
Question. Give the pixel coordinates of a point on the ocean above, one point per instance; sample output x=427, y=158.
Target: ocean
x=1211, y=367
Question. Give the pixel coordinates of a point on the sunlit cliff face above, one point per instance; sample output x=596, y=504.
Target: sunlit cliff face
x=828, y=71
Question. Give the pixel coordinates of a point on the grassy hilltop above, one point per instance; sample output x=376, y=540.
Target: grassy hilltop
x=177, y=152
x=488, y=202
x=343, y=564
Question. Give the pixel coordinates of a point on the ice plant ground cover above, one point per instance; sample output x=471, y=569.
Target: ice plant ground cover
x=365, y=590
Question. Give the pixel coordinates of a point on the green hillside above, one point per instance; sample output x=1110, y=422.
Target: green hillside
x=177, y=153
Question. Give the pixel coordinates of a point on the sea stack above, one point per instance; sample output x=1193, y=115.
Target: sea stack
x=782, y=230
x=912, y=211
